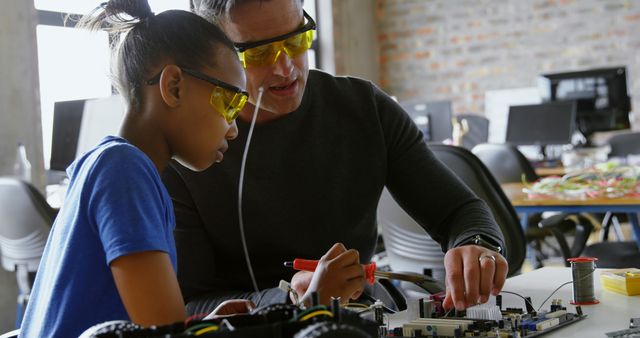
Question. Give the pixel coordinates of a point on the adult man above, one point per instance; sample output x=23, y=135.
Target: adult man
x=322, y=151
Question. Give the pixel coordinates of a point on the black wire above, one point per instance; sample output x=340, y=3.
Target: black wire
x=519, y=295
x=554, y=291
x=447, y=313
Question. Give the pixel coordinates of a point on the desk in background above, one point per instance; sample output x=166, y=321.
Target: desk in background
x=550, y=171
x=525, y=205
x=611, y=314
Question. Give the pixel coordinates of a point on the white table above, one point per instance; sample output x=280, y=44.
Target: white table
x=611, y=314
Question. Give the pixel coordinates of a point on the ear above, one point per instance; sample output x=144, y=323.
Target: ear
x=171, y=85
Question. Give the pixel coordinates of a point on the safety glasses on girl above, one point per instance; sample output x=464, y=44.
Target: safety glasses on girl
x=266, y=52
x=228, y=100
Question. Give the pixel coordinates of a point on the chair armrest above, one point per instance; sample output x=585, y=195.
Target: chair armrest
x=553, y=221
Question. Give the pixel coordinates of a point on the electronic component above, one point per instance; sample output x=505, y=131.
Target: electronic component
x=273, y=321
x=632, y=332
x=482, y=320
x=626, y=333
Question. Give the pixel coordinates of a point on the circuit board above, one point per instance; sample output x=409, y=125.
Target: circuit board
x=423, y=318
x=426, y=318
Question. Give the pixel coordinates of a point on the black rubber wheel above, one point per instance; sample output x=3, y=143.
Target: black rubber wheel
x=113, y=328
x=331, y=330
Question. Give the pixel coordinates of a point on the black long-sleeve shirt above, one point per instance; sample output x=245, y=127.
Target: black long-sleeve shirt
x=313, y=178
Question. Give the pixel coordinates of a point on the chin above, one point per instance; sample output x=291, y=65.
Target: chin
x=197, y=167
x=282, y=108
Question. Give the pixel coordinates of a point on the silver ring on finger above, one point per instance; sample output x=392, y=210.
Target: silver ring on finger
x=492, y=257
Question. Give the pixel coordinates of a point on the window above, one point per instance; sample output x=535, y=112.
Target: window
x=74, y=63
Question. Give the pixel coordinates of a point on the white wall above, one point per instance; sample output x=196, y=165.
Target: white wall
x=19, y=89
x=19, y=114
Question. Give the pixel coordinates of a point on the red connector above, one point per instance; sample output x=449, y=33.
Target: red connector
x=310, y=265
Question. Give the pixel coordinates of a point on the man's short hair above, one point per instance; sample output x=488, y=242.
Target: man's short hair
x=213, y=10
x=217, y=11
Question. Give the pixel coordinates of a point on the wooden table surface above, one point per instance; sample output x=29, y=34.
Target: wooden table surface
x=550, y=171
x=519, y=198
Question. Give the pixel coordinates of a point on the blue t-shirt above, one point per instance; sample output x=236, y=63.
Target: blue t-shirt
x=116, y=205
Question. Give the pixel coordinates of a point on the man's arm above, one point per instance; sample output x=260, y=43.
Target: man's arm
x=433, y=196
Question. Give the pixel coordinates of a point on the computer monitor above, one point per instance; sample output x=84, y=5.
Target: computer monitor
x=102, y=117
x=432, y=118
x=80, y=124
x=67, y=117
x=550, y=123
x=603, y=103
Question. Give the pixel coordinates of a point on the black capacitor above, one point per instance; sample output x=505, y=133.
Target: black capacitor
x=530, y=308
x=335, y=308
x=378, y=314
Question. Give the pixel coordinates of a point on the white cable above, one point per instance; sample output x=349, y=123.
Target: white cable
x=240, y=186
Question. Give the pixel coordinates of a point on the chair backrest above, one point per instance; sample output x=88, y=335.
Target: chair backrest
x=478, y=178
x=25, y=221
x=625, y=144
x=505, y=162
x=478, y=130
x=408, y=246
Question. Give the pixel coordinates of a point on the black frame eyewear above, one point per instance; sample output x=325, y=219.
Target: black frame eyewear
x=241, y=47
x=203, y=77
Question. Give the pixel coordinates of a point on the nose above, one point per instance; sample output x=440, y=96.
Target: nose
x=232, y=132
x=283, y=65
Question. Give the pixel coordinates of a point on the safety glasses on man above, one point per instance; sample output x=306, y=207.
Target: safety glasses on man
x=228, y=100
x=266, y=52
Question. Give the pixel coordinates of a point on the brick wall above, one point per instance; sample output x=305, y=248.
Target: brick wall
x=458, y=49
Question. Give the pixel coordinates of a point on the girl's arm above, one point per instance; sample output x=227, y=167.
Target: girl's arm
x=149, y=288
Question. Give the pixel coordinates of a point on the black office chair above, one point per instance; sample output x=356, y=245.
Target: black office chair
x=625, y=253
x=478, y=178
x=478, y=130
x=25, y=222
x=505, y=162
x=624, y=144
x=509, y=165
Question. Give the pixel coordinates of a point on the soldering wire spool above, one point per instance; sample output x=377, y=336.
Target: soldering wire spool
x=582, y=269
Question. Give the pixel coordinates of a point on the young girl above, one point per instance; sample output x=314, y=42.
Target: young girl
x=111, y=252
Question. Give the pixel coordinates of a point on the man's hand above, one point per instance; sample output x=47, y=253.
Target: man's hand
x=472, y=273
x=338, y=274
x=300, y=283
x=231, y=307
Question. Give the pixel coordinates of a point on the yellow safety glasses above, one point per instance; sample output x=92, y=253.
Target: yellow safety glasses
x=266, y=52
x=228, y=100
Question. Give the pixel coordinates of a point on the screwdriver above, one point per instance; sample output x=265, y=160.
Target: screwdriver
x=310, y=265
x=371, y=274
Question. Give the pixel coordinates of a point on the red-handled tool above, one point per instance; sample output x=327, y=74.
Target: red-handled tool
x=310, y=265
